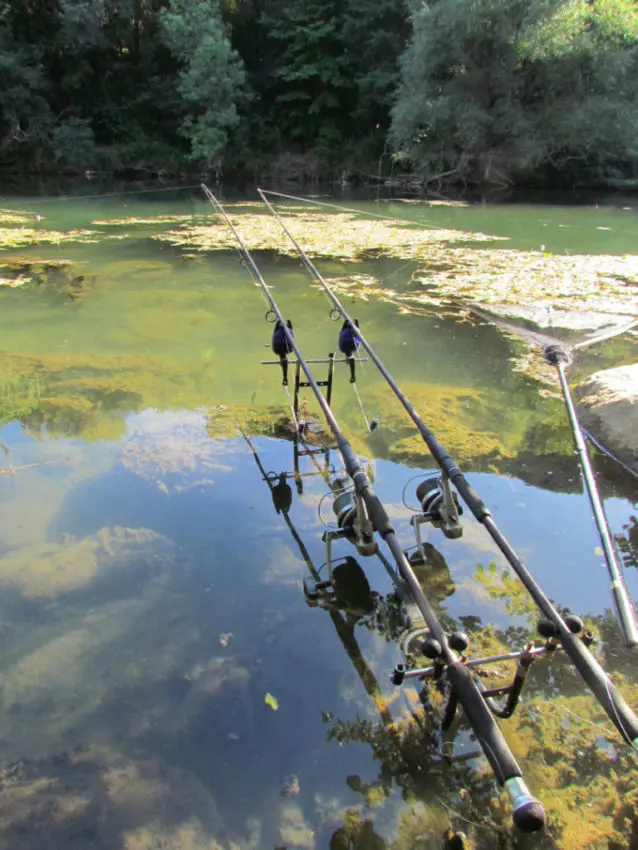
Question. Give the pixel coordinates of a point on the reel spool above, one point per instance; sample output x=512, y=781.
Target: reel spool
x=440, y=506
x=344, y=504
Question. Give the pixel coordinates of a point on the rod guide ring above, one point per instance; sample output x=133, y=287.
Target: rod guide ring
x=270, y=316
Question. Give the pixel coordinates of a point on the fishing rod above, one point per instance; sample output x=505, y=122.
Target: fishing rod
x=443, y=504
x=528, y=812
x=559, y=356
x=346, y=598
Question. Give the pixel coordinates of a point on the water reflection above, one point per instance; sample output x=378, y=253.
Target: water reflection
x=151, y=578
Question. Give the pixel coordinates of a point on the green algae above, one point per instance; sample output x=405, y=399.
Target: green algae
x=542, y=281
x=339, y=235
x=59, y=274
x=460, y=417
x=11, y=238
x=9, y=217
x=72, y=395
x=151, y=804
x=47, y=571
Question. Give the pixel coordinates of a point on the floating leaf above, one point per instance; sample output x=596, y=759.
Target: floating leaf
x=270, y=700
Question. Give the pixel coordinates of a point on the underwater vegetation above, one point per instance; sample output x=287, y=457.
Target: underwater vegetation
x=559, y=733
x=75, y=395
x=59, y=275
x=105, y=663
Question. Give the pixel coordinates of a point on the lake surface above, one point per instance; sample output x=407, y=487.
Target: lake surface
x=164, y=682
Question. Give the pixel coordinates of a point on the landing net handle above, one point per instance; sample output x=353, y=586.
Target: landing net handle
x=624, y=608
x=528, y=813
x=597, y=680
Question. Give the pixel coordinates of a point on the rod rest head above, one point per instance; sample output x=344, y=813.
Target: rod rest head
x=459, y=641
x=574, y=624
x=431, y=648
x=546, y=629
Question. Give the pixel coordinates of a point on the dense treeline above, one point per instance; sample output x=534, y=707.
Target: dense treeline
x=496, y=90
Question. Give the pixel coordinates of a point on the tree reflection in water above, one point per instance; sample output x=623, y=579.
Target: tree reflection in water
x=586, y=777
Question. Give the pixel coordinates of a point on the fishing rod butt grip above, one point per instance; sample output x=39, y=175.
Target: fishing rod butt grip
x=482, y=722
x=528, y=812
x=599, y=683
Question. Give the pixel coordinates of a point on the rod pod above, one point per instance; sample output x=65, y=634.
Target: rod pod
x=528, y=812
x=611, y=700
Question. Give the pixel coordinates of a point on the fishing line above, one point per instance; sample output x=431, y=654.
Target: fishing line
x=390, y=218
x=332, y=493
x=125, y=192
x=491, y=827
x=604, y=450
x=310, y=267
x=349, y=209
x=363, y=413
x=292, y=410
x=405, y=504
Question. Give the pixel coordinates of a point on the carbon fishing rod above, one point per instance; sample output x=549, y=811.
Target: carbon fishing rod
x=528, y=812
x=559, y=356
x=621, y=715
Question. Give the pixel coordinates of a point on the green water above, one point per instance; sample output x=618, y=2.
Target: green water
x=152, y=594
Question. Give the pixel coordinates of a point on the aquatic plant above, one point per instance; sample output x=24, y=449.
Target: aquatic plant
x=9, y=217
x=132, y=221
x=341, y=235
x=23, y=236
x=534, y=285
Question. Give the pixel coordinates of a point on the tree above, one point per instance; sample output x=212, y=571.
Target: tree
x=211, y=78
x=23, y=109
x=508, y=86
x=314, y=89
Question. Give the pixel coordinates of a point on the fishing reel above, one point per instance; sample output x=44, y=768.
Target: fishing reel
x=353, y=522
x=440, y=506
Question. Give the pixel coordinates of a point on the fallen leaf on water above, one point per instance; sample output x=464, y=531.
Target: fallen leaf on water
x=270, y=700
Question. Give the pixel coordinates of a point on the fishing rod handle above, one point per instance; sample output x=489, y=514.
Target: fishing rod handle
x=528, y=812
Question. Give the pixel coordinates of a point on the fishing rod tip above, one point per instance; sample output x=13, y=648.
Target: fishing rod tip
x=557, y=355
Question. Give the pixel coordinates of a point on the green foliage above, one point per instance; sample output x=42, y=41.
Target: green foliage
x=211, y=76
x=314, y=87
x=502, y=87
x=502, y=90
x=628, y=543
